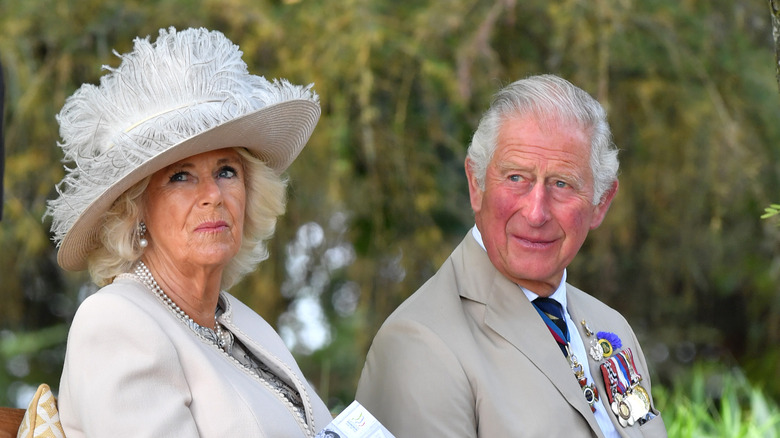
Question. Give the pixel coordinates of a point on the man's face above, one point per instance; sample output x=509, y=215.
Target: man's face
x=536, y=208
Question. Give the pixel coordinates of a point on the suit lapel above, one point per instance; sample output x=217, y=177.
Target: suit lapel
x=510, y=314
x=233, y=318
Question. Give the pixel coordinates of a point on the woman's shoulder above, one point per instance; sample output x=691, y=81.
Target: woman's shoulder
x=124, y=289
x=125, y=301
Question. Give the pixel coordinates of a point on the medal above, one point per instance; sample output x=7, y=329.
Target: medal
x=631, y=407
x=621, y=409
x=596, y=351
x=604, y=346
x=628, y=400
x=642, y=393
x=590, y=392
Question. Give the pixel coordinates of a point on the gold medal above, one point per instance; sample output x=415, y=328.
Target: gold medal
x=642, y=393
x=631, y=407
x=637, y=407
x=620, y=409
x=624, y=410
x=606, y=347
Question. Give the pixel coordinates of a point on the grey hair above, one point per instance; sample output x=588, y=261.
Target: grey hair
x=266, y=195
x=548, y=97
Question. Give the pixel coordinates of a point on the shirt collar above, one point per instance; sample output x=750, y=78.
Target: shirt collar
x=560, y=293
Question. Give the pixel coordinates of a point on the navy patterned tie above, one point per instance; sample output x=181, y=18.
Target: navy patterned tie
x=553, y=311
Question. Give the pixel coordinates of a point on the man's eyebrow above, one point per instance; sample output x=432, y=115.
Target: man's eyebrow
x=508, y=166
x=571, y=177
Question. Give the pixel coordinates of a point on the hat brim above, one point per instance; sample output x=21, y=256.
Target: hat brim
x=276, y=134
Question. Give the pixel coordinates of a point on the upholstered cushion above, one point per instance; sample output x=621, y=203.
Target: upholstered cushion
x=42, y=420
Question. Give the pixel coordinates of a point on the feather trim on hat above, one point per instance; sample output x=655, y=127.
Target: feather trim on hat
x=161, y=94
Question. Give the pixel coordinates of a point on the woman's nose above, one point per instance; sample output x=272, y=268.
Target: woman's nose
x=210, y=192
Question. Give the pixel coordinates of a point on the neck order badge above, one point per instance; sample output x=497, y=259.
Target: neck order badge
x=551, y=312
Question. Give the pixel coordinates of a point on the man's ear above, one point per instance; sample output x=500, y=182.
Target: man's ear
x=475, y=193
x=602, y=207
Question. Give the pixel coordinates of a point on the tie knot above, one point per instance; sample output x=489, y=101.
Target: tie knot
x=549, y=305
x=554, y=311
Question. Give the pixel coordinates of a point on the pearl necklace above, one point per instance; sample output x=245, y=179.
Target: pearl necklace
x=222, y=338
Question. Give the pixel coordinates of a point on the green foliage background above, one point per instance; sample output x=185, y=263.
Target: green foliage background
x=379, y=199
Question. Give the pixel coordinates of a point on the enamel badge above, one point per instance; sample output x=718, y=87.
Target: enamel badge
x=604, y=345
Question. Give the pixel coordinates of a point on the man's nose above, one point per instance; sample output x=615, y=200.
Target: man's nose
x=537, y=208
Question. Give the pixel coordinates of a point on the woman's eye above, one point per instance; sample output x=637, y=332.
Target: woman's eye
x=179, y=176
x=227, y=172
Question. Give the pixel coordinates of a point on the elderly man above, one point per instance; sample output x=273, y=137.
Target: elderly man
x=497, y=343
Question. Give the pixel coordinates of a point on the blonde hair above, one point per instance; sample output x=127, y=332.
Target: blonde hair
x=119, y=236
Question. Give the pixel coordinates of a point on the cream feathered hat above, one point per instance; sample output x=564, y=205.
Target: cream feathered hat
x=188, y=92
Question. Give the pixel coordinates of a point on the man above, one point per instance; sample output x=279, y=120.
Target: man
x=470, y=354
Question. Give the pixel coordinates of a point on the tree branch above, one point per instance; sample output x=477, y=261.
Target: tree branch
x=774, y=8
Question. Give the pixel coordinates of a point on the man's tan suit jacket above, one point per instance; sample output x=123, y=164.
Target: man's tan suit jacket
x=467, y=355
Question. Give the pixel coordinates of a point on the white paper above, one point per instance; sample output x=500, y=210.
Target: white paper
x=355, y=422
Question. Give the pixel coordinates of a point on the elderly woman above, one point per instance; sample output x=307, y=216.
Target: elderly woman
x=174, y=187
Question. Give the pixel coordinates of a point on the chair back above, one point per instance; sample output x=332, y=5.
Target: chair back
x=10, y=420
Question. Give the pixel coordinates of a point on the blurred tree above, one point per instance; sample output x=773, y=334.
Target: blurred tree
x=2, y=137
x=774, y=9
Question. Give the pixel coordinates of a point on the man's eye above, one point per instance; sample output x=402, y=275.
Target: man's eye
x=514, y=178
x=561, y=184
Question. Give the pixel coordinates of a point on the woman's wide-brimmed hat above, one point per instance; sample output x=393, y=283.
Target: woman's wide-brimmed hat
x=187, y=93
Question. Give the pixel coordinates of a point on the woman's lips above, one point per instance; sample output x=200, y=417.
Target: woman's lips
x=212, y=226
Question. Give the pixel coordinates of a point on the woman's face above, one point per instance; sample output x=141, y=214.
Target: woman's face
x=194, y=210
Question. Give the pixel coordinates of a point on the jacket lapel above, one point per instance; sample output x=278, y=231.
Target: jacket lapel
x=233, y=318
x=513, y=317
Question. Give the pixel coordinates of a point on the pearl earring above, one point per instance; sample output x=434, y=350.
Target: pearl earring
x=142, y=242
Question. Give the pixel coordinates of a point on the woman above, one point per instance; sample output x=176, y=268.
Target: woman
x=175, y=185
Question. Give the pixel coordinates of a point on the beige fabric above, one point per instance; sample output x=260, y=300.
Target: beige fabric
x=132, y=369
x=41, y=420
x=468, y=356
